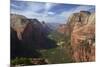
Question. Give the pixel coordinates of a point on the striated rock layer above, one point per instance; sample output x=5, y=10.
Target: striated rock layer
x=82, y=29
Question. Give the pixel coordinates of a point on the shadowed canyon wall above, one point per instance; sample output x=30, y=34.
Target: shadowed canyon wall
x=28, y=35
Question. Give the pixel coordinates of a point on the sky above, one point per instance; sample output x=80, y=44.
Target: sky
x=48, y=12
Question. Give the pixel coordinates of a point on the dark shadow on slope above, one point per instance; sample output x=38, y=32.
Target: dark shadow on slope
x=32, y=40
x=18, y=49
x=35, y=36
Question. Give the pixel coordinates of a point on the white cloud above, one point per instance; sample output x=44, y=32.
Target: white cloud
x=35, y=6
x=55, y=19
x=48, y=6
x=32, y=8
x=66, y=14
x=84, y=8
x=51, y=13
x=47, y=15
x=14, y=5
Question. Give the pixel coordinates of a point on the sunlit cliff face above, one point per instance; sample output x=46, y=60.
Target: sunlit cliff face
x=83, y=34
x=18, y=23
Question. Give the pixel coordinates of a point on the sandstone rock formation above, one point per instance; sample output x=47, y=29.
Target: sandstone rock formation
x=18, y=23
x=82, y=29
x=28, y=35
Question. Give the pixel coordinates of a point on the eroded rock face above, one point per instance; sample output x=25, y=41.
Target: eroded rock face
x=18, y=23
x=22, y=37
x=28, y=35
x=82, y=30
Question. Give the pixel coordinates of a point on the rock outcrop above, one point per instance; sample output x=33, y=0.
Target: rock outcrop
x=63, y=29
x=29, y=35
x=18, y=23
x=82, y=29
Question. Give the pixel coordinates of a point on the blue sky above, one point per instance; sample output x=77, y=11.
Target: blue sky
x=48, y=12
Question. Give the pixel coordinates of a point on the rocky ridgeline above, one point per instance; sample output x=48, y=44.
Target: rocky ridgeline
x=82, y=29
x=28, y=35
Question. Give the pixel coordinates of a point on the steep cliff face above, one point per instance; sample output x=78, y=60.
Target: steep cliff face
x=22, y=40
x=18, y=23
x=28, y=35
x=82, y=30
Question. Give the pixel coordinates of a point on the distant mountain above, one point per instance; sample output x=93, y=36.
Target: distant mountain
x=62, y=28
x=53, y=26
x=46, y=27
